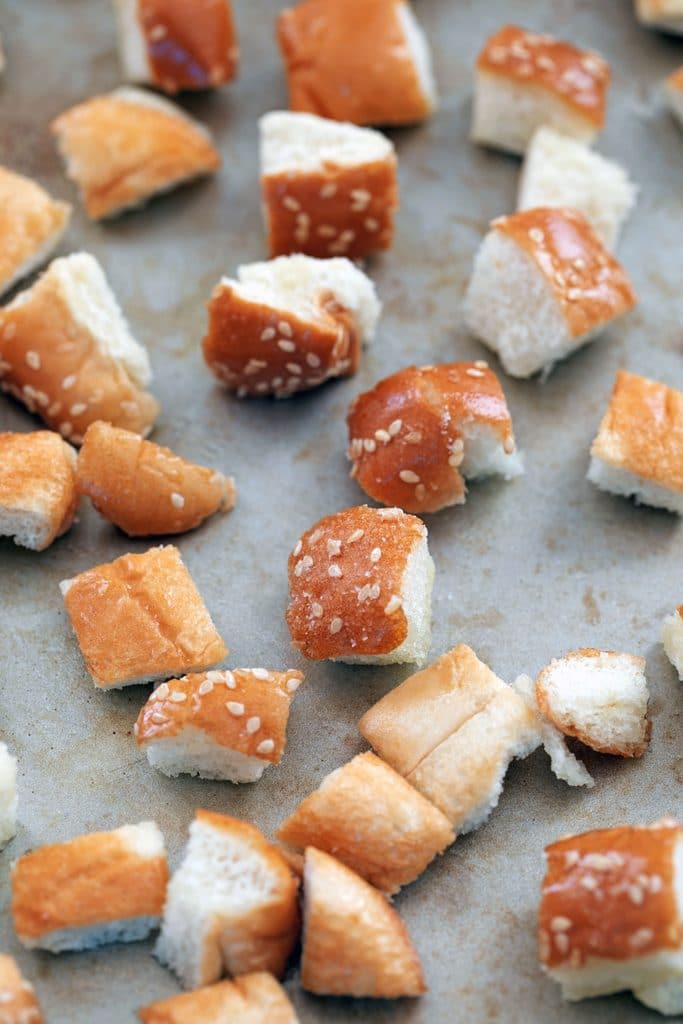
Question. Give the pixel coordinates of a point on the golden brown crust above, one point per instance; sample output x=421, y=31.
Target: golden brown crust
x=413, y=719
x=18, y=1001
x=370, y=819
x=120, y=153
x=675, y=80
x=37, y=475
x=324, y=50
x=191, y=44
x=259, y=350
x=587, y=281
x=29, y=219
x=338, y=211
x=251, y=999
x=141, y=617
x=580, y=78
x=405, y=435
x=89, y=880
x=51, y=362
x=610, y=894
x=345, y=582
x=642, y=430
x=146, y=489
x=354, y=942
x=244, y=709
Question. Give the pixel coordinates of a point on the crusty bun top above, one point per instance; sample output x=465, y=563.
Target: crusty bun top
x=29, y=218
x=191, y=44
x=405, y=435
x=579, y=77
x=345, y=582
x=610, y=894
x=588, y=282
x=642, y=430
x=37, y=473
x=250, y=999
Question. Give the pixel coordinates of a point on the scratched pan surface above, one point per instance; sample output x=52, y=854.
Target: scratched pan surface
x=525, y=571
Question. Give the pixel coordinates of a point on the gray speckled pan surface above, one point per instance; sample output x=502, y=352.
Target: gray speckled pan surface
x=525, y=571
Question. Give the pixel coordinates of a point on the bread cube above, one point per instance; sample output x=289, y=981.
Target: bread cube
x=525, y=81
x=98, y=888
x=610, y=918
x=67, y=353
x=638, y=451
x=559, y=171
x=563, y=763
x=32, y=224
x=141, y=618
x=38, y=496
x=289, y=325
x=542, y=286
x=418, y=434
x=360, y=585
x=123, y=148
x=252, y=999
x=174, y=45
x=672, y=638
x=666, y=15
x=218, y=725
x=18, y=1002
x=329, y=189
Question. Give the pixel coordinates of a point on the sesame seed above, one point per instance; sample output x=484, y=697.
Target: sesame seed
x=229, y=680
x=560, y=924
x=472, y=371
x=333, y=548
x=294, y=368
x=371, y=224
x=375, y=554
x=135, y=732
x=574, y=294
x=54, y=409
x=265, y=747
x=177, y=500
x=334, y=570
x=9, y=331
x=414, y=437
x=635, y=894
x=579, y=263
x=317, y=610
x=312, y=359
x=481, y=364
x=561, y=940
x=65, y=429
x=383, y=435
x=290, y=203
x=293, y=684
x=369, y=444
x=286, y=346
x=268, y=334
x=420, y=492
x=253, y=725
x=78, y=409
x=315, y=536
x=285, y=328
x=177, y=697
x=158, y=32
x=456, y=459
x=260, y=673
x=408, y=477
x=393, y=605
x=536, y=235
x=394, y=427
x=356, y=535
x=158, y=719
x=33, y=360
x=215, y=676
x=206, y=686
x=235, y=708
x=336, y=625
x=589, y=882
x=641, y=937
x=327, y=231
x=327, y=191
x=655, y=883
x=571, y=858
x=297, y=548
x=161, y=692
x=508, y=445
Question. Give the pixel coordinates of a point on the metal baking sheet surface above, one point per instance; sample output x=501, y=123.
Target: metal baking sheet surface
x=525, y=571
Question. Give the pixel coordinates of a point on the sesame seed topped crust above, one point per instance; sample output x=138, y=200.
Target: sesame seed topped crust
x=191, y=44
x=588, y=282
x=413, y=420
x=236, y=708
x=31, y=222
x=642, y=430
x=351, y=611
x=579, y=77
x=610, y=894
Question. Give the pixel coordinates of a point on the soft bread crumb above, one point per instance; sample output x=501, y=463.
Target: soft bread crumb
x=672, y=638
x=564, y=764
x=299, y=143
x=8, y=795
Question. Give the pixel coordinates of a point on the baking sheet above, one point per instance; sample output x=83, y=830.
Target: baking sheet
x=525, y=571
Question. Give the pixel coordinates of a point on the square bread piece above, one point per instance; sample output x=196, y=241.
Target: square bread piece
x=18, y=1002
x=559, y=171
x=600, y=697
x=38, y=496
x=141, y=618
x=232, y=905
x=666, y=15
x=416, y=436
x=31, y=227
x=525, y=80
x=611, y=915
x=123, y=148
x=360, y=588
x=451, y=731
x=8, y=796
x=672, y=638
x=219, y=725
x=177, y=44
x=98, y=888
x=252, y=999
x=372, y=820
x=146, y=489
x=543, y=285
x=638, y=451
x=289, y=325
x=354, y=942
x=67, y=353
x=377, y=45
x=328, y=189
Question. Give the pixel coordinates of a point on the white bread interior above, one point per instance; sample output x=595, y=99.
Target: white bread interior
x=132, y=929
x=644, y=492
x=8, y=796
x=506, y=113
x=195, y=752
x=511, y=307
x=34, y=527
x=292, y=284
x=559, y=171
x=672, y=638
x=563, y=763
x=485, y=454
x=419, y=51
x=416, y=594
x=132, y=43
x=305, y=143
